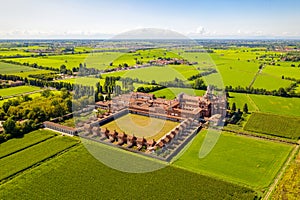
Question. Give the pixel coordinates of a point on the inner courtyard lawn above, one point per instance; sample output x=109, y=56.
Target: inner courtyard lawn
x=141, y=126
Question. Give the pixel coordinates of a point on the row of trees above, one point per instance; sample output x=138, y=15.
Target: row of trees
x=206, y=73
x=250, y=90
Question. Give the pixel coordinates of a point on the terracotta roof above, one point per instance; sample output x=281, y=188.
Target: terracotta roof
x=160, y=144
x=122, y=134
x=141, y=140
x=113, y=133
x=151, y=142
x=131, y=137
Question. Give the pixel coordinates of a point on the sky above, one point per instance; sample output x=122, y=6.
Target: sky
x=51, y=19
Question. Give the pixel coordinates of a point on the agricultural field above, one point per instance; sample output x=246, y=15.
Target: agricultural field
x=270, y=82
x=29, y=139
x=14, y=52
x=282, y=126
x=144, y=56
x=234, y=72
x=159, y=74
x=81, y=174
x=267, y=104
x=30, y=156
x=90, y=81
x=94, y=60
x=240, y=159
x=288, y=187
x=13, y=91
x=141, y=126
x=171, y=93
x=279, y=71
x=277, y=105
x=240, y=99
x=19, y=70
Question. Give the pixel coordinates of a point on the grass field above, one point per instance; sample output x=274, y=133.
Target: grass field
x=171, y=93
x=268, y=104
x=29, y=139
x=95, y=60
x=19, y=70
x=76, y=174
x=233, y=71
x=12, y=91
x=240, y=159
x=277, y=125
x=240, y=99
x=278, y=72
x=270, y=83
x=159, y=74
x=277, y=105
x=19, y=161
x=142, y=126
x=90, y=81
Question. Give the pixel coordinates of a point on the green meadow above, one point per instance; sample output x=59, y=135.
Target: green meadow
x=6, y=68
x=239, y=159
x=12, y=91
x=95, y=60
x=171, y=93
x=78, y=172
x=159, y=74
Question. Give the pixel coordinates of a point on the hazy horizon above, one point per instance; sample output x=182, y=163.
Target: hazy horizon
x=92, y=19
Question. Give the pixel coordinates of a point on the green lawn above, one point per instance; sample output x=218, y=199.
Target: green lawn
x=26, y=158
x=277, y=105
x=77, y=174
x=277, y=125
x=18, y=90
x=240, y=159
x=171, y=93
x=141, y=126
x=29, y=139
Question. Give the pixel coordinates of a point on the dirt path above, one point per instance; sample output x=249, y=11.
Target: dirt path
x=252, y=102
x=254, y=78
x=281, y=172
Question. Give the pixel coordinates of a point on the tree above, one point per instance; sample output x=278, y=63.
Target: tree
x=46, y=93
x=245, y=108
x=10, y=126
x=233, y=106
x=6, y=106
x=63, y=69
